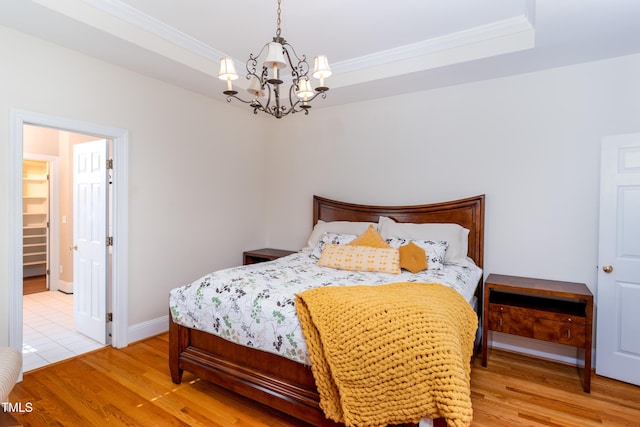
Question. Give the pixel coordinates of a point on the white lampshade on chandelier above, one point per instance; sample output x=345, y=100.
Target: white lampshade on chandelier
x=266, y=84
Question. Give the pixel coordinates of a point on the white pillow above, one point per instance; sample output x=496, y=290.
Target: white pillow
x=435, y=250
x=337, y=227
x=333, y=238
x=454, y=234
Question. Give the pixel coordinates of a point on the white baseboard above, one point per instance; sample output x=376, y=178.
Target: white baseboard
x=148, y=329
x=64, y=286
x=543, y=349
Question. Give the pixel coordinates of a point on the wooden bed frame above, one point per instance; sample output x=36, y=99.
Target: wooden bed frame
x=281, y=383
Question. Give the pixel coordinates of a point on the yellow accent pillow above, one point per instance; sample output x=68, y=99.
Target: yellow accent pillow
x=413, y=258
x=370, y=238
x=360, y=258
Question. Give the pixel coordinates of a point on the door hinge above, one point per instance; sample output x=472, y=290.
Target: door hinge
x=110, y=164
x=109, y=317
x=109, y=241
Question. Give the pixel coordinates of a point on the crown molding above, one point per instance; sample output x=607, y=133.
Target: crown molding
x=127, y=23
x=504, y=29
x=124, y=12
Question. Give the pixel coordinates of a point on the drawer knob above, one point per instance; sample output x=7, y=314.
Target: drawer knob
x=569, y=319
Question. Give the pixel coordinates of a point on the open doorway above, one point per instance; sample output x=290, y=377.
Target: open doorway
x=54, y=321
x=118, y=295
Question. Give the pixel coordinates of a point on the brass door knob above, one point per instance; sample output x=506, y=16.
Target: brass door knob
x=73, y=248
x=607, y=268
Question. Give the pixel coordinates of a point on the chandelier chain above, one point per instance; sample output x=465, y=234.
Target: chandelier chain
x=279, y=10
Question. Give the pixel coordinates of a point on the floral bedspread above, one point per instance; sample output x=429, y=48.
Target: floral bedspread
x=254, y=305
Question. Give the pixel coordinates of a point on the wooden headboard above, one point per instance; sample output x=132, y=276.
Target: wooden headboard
x=468, y=212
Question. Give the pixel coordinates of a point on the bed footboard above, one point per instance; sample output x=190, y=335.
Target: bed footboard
x=262, y=377
x=272, y=380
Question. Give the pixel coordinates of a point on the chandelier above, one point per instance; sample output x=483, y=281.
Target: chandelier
x=267, y=85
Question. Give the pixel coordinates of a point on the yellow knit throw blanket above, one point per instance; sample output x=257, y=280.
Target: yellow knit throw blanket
x=390, y=354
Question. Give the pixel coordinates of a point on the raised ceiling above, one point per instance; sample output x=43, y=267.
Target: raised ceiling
x=375, y=48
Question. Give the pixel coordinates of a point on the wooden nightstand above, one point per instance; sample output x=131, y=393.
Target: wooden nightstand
x=262, y=255
x=560, y=312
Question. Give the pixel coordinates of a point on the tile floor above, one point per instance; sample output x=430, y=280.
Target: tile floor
x=48, y=333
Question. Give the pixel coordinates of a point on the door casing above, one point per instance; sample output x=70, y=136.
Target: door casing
x=119, y=292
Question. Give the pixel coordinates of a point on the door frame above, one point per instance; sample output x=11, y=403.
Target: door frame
x=53, y=257
x=120, y=225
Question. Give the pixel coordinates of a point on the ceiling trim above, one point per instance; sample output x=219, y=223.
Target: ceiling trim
x=133, y=16
x=504, y=29
x=129, y=24
x=133, y=26
x=508, y=36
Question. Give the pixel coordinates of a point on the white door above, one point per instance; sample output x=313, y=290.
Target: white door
x=89, y=237
x=618, y=295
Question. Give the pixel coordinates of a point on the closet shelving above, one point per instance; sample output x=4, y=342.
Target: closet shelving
x=35, y=217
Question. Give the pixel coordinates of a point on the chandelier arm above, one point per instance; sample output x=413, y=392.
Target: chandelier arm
x=258, y=107
x=238, y=98
x=322, y=94
x=254, y=60
x=293, y=68
x=270, y=91
x=295, y=54
x=302, y=67
x=315, y=95
x=296, y=107
x=264, y=75
x=292, y=94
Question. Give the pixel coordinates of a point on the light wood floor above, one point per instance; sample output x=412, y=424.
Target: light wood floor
x=132, y=387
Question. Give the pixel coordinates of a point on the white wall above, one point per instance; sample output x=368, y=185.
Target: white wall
x=531, y=143
x=202, y=189
x=197, y=191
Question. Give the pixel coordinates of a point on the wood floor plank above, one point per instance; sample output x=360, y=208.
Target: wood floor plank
x=132, y=387
x=549, y=393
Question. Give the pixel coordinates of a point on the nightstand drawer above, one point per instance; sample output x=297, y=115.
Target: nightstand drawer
x=509, y=309
x=511, y=323
x=561, y=317
x=542, y=325
x=560, y=332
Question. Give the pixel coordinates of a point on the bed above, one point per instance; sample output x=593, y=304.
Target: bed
x=284, y=383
